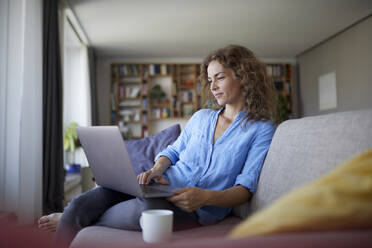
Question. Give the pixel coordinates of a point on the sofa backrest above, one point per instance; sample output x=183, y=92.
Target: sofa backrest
x=305, y=149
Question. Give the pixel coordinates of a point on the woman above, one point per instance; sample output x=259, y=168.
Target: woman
x=215, y=162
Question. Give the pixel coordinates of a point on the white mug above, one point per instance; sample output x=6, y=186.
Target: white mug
x=157, y=225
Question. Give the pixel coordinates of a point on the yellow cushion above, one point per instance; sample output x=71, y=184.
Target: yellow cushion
x=342, y=199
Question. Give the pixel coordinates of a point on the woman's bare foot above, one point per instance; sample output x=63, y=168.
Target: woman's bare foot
x=49, y=223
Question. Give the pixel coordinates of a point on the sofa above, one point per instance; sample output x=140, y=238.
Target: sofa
x=301, y=151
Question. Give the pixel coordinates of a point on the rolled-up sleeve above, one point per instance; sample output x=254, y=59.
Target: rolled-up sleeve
x=174, y=150
x=256, y=157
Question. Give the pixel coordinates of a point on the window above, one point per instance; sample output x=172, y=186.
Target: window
x=76, y=86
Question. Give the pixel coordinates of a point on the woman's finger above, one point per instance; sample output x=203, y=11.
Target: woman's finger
x=143, y=177
x=176, y=198
x=46, y=227
x=149, y=177
x=140, y=179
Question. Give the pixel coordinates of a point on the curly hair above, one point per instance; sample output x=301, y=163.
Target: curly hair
x=256, y=86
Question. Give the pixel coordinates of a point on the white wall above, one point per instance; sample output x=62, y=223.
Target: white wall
x=349, y=54
x=21, y=124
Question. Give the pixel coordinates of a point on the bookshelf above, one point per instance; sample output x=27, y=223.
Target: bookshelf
x=133, y=106
x=282, y=78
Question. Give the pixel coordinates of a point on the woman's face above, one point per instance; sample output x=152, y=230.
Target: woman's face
x=223, y=84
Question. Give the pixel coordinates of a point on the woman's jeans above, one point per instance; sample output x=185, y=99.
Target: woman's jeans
x=106, y=207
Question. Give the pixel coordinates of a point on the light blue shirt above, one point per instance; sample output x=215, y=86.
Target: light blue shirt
x=235, y=158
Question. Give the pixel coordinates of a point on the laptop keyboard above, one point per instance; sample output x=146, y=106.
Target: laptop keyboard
x=148, y=190
x=152, y=189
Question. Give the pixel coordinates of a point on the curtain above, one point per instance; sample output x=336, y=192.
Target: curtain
x=53, y=171
x=93, y=86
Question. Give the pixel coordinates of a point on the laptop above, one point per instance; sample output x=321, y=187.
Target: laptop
x=111, y=165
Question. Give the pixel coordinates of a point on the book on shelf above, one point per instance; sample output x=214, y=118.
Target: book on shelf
x=163, y=69
x=154, y=69
x=129, y=91
x=155, y=113
x=130, y=115
x=145, y=72
x=128, y=70
x=187, y=84
x=176, y=103
x=145, y=89
x=122, y=91
x=174, y=88
x=165, y=113
x=175, y=72
x=137, y=116
x=144, y=103
x=123, y=70
x=144, y=119
x=134, y=91
x=125, y=114
x=159, y=113
x=274, y=70
x=186, y=95
x=157, y=69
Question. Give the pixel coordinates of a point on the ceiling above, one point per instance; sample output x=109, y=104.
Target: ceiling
x=192, y=28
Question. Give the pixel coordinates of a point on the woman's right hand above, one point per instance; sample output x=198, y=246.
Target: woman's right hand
x=145, y=177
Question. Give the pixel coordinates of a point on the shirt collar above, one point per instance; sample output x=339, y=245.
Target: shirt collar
x=240, y=114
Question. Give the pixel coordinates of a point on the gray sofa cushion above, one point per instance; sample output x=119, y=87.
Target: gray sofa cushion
x=305, y=149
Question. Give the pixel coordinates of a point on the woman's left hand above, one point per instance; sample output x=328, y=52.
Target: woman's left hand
x=190, y=198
